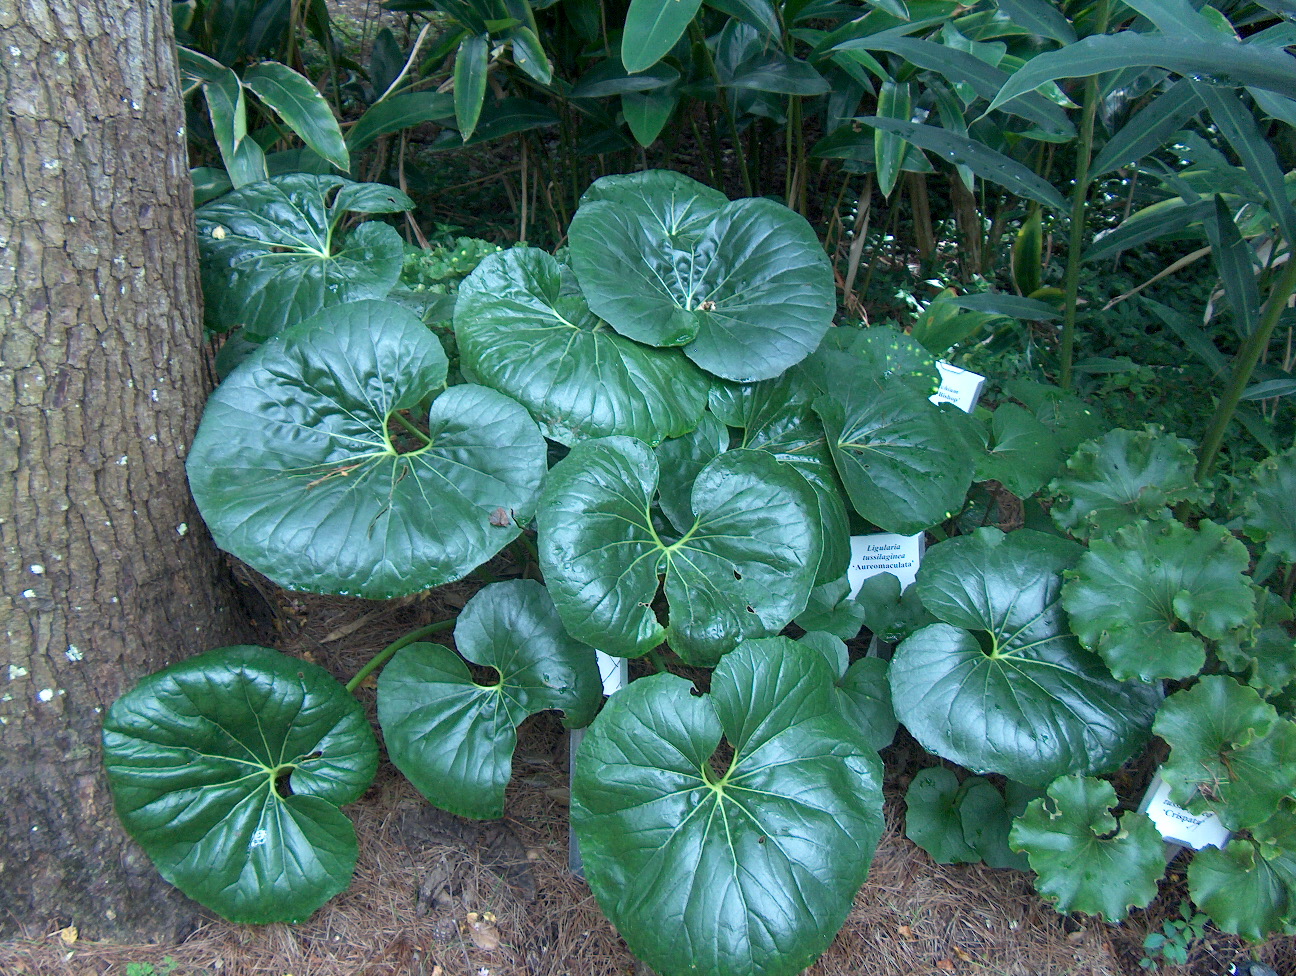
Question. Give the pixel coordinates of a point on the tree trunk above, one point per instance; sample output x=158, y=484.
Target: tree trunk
x=107, y=572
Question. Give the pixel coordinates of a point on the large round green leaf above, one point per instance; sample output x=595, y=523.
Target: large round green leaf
x=932, y=818
x=301, y=466
x=229, y=769
x=1121, y=477
x=1131, y=596
x=1001, y=685
x=1084, y=860
x=901, y=460
x=272, y=253
x=744, y=567
x=745, y=872
x=775, y=416
x=744, y=287
x=1229, y=751
x=452, y=736
x=526, y=332
x=1243, y=892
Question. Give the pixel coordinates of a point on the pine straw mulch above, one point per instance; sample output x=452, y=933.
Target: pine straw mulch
x=421, y=873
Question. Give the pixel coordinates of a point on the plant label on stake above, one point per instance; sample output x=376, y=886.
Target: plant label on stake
x=1178, y=826
x=961, y=387
x=884, y=552
x=615, y=672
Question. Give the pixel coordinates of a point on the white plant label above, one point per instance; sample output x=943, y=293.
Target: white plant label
x=1179, y=826
x=884, y=552
x=615, y=672
x=961, y=387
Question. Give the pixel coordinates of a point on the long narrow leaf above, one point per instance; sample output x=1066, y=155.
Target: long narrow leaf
x=985, y=162
x=1238, y=126
x=471, y=66
x=1148, y=225
x=895, y=104
x=1232, y=258
x=755, y=13
x=1149, y=129
x=651, y=29
x=985, y=79
x=1190, y=334
x=399, y=112
x=1270, y=388
x=302, y=108
x=1227, y=61
x=995, y=303
x=1040, y=18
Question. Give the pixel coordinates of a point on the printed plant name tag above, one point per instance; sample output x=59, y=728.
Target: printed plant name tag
x=884, y=552
x=615, y=672
x=1176, y=824
x=961, y=387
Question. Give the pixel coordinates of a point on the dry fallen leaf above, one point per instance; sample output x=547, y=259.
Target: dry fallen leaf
x=945, y=965
x=481, y=929
x=963, y=956
x=68, y=935
x=906, y=933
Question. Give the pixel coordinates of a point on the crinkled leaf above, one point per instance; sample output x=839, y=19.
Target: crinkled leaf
x=751, y=871
x=296, y=470
x=1023, y=454
x=453, y=737
x=1001, y=685
x=272, y=254
x=1229, y=751
x=229, y=769
x=932, y=817
x=1242, y=892
x=1132, y=593
x=520, y=331
x=1085, y=861
x=899, y=458
x=743, y=568
x=1269, y=654
x=1270, y=510
x=1121, y=477
x=744, y=287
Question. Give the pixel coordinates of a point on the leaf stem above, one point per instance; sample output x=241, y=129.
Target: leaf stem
x=383, y=656
x=655, y=659
x=1244, y=364
x=1079, y=204
x=699, y=40
x=409, y=426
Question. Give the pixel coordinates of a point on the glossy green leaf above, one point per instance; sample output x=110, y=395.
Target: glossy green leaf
x=399, y=112
x=1085, y=859
x=470, y=69
x=680, y=461
x=529, y=53
x=608, y=77
x=229, y=769
x=867, y=701
x=1235, y=262
x=1270, y=507
x=1041, y=18
x=1071, y=420
x=831, y=609
x=1268, y=655
x=1121, y=477
x=897, y=455
x=646, y=113
x=932, y=817
x=895, y=103
x=743, y=568
x=652, y=27
x=1244, y=893
x=759, y=14
x=1169, y=217
x=243, y=158
x=1228, y=62
x=744, y=287
x=747, y=871
x=976, y=156
x=272, y=254
x=525, y=331
x=1001, y=685
x=857, y=363
x=302, y=108
x=452, y=735
x=987, y=820
x=1133, y=593
x=1023, y=454
x=1229, y=751
x=300, y=470
x=775, y=416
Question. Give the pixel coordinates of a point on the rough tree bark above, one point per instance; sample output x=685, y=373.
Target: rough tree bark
x=106, y=571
